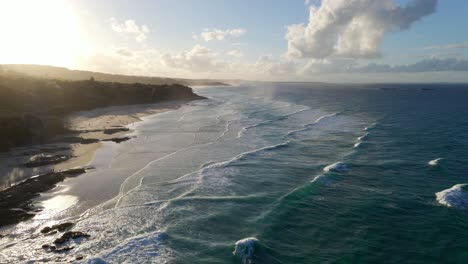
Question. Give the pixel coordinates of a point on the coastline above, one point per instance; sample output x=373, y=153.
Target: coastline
x=96, y=122
x=94, y=129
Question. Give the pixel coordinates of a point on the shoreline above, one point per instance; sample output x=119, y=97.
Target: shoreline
x=93, y=128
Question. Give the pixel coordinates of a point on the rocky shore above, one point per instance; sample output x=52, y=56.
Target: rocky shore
x=51, y=129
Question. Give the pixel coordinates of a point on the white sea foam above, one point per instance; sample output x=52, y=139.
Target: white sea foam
x=370, y=127
x=274, y=120
x=337, y=167
x=296, y=112
x=245, y=249
x=361, y=138
x=307, y=126
x=357, y=144
x=212, y=165
x=320, y=179
x=456, y=197
x=435, y=162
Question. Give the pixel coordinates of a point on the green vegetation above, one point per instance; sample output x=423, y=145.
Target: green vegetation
x=32, y=109
x=60, y=73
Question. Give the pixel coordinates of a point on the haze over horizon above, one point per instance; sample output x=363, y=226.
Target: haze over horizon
x=327, y=41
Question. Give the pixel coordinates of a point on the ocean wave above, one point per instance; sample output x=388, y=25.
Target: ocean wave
x=435, y=162
x=246, y=154
x=245, y=249
x=309, y=125
x=140, y=249
x=369, y=128
x=321, y=179
x=226, y=128
x=339, y=167
x=206, y=164
x=361, y=138
x=456, y=196
x=276, y=119
x=214, y=165
x=297, y=112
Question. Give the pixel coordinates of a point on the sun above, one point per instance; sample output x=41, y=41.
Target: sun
x=39, y=32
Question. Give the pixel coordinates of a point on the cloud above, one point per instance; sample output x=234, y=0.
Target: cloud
x=463, y=45
x=219, y=34
x=352, y=28
x=267, y=64
x=122, y=60
x=350, y=66
x=235, y=53
x=198, y=59
x=124, y=52
x=130, y=27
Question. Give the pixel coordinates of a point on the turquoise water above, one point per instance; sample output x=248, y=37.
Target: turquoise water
x=293, y=173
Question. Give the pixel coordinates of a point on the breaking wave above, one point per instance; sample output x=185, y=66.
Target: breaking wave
x=339, y=167
x=245, y=249
x=435, y=162
x=323, y=179
x=456, y=197
x=309, y=125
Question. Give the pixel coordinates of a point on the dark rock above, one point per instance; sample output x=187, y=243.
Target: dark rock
x=74, y=172
x=111, y=131
x=69, y=236
x=54, y=249
x=59, y=227
x=64, y=249
x=42, y=160
x=45, y=246
x=79, y=140
x=15, y=202
x=79, y=257
x=118, y=140
x=51, y=233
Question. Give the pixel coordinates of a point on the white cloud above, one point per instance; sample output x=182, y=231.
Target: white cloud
x=198, y=59
x=315, y=66
x=219, y=34
x=463, y=45
x=130, y=27
x=352, y=28
x=122, y=60
x=267, y=64
x=124, y=52
x=235, y=53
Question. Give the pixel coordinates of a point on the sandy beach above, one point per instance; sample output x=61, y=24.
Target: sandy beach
x=103, y=126
x=99, y=120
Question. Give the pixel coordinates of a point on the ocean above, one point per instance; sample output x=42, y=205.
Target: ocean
x=289, y=173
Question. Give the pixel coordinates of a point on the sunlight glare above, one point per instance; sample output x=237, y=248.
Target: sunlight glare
x=39, y=32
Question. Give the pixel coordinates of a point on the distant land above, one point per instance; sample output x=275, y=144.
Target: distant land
x=32, y=109
x=60, y=73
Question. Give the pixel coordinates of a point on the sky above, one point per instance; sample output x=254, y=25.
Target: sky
x=271, y=40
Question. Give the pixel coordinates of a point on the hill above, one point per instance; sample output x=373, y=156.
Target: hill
x=32, y=109
x=51, y=72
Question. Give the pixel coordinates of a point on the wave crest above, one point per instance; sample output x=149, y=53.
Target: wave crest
x=245, y=249
x=322, y=179
x=309, y=125
x=435, y=162
x=456, y=196
x=339, y=167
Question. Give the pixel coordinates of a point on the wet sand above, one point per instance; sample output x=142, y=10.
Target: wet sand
x=101, y=125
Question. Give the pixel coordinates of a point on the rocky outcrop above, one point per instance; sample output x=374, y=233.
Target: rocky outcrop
x=15, y=202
